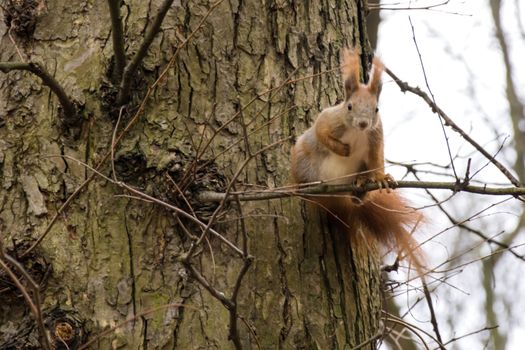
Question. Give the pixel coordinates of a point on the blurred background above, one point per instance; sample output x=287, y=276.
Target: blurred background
x=469, y=55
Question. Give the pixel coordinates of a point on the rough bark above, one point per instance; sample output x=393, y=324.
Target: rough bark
x=372, y=20
x=112, y=257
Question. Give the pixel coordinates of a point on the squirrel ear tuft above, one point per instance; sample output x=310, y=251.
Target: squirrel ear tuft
x=350, y=71
x=375, y=85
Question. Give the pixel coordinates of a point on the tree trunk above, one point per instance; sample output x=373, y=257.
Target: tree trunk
x=112, y=256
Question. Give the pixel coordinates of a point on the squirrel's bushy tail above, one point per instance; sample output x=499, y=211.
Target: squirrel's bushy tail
x=389, y=220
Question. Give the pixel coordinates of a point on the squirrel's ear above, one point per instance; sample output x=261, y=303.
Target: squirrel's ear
x=375, y=85
x=350, y=71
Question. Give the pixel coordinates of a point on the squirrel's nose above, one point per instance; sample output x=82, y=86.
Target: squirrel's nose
x=363, y=125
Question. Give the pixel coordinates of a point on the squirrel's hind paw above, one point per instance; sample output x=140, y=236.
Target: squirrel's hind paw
x=384, y=181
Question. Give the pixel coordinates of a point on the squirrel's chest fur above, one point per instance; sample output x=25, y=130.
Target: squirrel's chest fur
x=341, y=169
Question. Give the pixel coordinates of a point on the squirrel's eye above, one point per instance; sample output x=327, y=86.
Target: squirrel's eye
x=377, y=109
x=349, y=106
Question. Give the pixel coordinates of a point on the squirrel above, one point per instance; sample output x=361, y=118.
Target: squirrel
x=345, y=145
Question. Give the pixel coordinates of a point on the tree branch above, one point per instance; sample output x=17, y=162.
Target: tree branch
x=131, y=68
x=324, y=189
x=433, y=319
x=203, y=282
x=48, y=80
x=449, y=122
x=117, y=34
x=376, y=5
x=462, y=225
x=423, y=70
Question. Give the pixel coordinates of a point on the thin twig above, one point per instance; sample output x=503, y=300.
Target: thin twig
x=378, y=6
x=410, y=327
x=433, y=98
x=368, y=341
x=225, y=199
x=449, y=122
x=433, y=318
x=152, y=199
x=13, y=41
x=472, y=261
x=462, y=225
x=252, y=332
x=471, y=217
x=192, y=237
x=214, y=292
x=247, y=261
x=130, y=124
x=487, y=328
x=231, y=145
x=183, y=213
x=286, y=82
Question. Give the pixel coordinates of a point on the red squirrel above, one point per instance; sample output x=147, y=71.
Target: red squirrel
x=344, y=146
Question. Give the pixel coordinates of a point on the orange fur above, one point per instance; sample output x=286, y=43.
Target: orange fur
x=386, y=215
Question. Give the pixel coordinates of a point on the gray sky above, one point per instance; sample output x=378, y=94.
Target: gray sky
x=465, y=73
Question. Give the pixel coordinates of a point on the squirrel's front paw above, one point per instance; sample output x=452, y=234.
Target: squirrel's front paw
x=341, y=149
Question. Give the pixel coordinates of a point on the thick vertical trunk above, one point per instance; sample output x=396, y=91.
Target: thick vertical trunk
x=113, y=257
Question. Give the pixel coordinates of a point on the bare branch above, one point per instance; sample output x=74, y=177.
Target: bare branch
x=324, y=189
x=184, y=214
x=433, y=98
x=214, y=292
x=226, y=198
x=117, y=34
x=48, y=80
x=371, y=340
x=462, y=225
x=129, y=125
x=484, y=329
x=433, y=319
x=398, y=6
x=449, y=122
x=131, y=68
x=409, y=327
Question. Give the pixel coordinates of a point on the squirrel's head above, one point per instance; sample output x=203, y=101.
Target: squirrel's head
x=361, y=100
